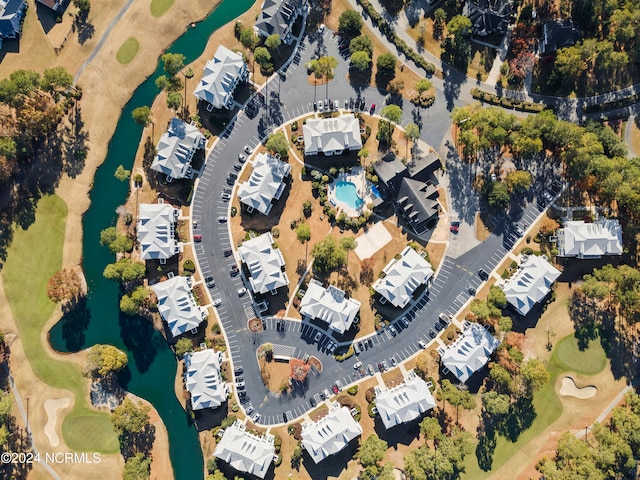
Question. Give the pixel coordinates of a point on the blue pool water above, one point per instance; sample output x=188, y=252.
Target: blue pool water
x=347, y=194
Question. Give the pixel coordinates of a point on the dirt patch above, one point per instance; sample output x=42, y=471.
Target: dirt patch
x=254, y=325
x=279, y=375
x=482, y=231
x=393, y=378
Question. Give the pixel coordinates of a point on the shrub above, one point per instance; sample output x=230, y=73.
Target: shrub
x=370, y=395
x=527, y=251
x=278, y=460
x=353, y=390
x=370, y=409
x=215, y=329
x=188, y=266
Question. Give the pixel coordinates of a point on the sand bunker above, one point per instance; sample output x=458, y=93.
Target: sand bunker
x=570, y=389
x=52, y=406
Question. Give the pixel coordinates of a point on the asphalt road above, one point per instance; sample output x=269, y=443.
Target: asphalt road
x=447, y=294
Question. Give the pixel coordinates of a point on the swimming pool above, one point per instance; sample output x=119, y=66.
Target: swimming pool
x=346, y=193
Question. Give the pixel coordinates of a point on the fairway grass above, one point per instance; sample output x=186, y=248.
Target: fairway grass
x=568, y=356
x=128, y=50
x=34, y=256
x=159, y=7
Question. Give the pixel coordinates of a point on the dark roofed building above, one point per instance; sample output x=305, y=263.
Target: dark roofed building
x=418, y=203
x=488, y=17
x=278, y=17
x=11, y=14
x=52, y=4
x=410, y=187
x=557, y=34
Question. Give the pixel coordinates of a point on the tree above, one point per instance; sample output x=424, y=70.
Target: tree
x=130, y=303
x=350, y=23
x=430, y=428
x=173, y=63
x=411, y=133
x=248, y=38
x=497, y=297
x=360, y=60
x=124, y=270
x=299, y=369
x=498, y=195
x=370, y=453
x=262, y=56
x=142, y=115
x=183, y=346
x=385, y=132
x=174, y=100
x=348, y=244
x=361, y=43
x=535, y=375
x=64, y=285
x=457, y=46
x=386, y=64
x=496, y=403
x=392, y=113
x=278, y=143
x=423, y=85
x=439, y=22
x=137, y=467
x=103, y=360
x=108, y=235
x=56, y=79
x=328, y=255
x=122, y=174
x=307, y=208
x=272, y=42
x=518, y=181
x=424, y=363
x=129, y=418
x=303, y=234
x=395, y=87
x=296, y=457
x=83, y=6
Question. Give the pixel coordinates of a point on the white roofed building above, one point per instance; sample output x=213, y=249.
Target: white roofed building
x=264, y=263
x=203, y=380
x=470, y=352
x=220, y=78
x=245, y=451
x=405, y=402
x=402, y=277
x=330, y=434
x=331, y=136
x=590, y=240
x=530, y=283
x=278, y=17
x=176, y=149
x=177, y=306
x=156, y=231
x=265, y=185
x=330, y=305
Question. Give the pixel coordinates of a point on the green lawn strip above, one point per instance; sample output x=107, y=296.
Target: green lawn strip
x=35, y=255
x=159, y=7
x=566, y=356
x=128, y=50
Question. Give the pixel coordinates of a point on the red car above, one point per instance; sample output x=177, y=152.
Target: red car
x=197, y=238
x=335, y=389
x=372, y=109
x=454, y=229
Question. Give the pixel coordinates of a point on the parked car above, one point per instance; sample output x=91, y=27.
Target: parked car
x=422, y=344
x=362, y=348
x=444, y=318
x=322, y=395
x=248, y=150
x=237, y=167
x=256, y=417
x=370, y=369
x=372, y=109
x=242, y=158
x=405, y=321
x=356, y=349
x=439, y=326
x=326, y=104
x=380, y=367
x=483, y=274
x=313, y=401
x=239, y=379
x=339, y=385
x=547, y=196
x=234, y=270
x=250, y=410
x=385, y=365
x=320, y=106
x=317, y=337
x=471, y=290
x=393, y=330
x=370, y=342
x=393, y=361
x=233, y=175
x=197, y=238
x=240, y=385
x=238, y=371
x=222, y=219
x=334, y=388
x=210, y=282
x=315, y=107
x=242, y=394
x=230, y=181
x=336, y=105
x=518, y=230
x=305, y=359
x=432, y=334
x=242, y=291
x=217, y=302
x=346, y=104
x=454, y=229
x=225, y=196
x=357, y=366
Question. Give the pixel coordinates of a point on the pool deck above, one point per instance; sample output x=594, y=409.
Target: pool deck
x=363, y=190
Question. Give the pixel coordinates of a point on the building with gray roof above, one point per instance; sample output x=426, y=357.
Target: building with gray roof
x=244, y=451
x=330, y=305
x=530, y=284
x=176, y=149
x=202, y=379
x=470, y=351
x=265, y=264
x=277, y=17
x=331, y=136
x=405, y=402
x=177, y=306
x=590, y=240
x=221, y=76
x=265, y=185
x=156, y=231
x=330, y=434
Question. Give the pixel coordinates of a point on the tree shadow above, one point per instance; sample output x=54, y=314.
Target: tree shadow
x=85, y=28
x=138, y=443
x=71, y=328
x=453, y=81
x=140, y=338
x=76, y=145
x=519, y=419
x=486, y=447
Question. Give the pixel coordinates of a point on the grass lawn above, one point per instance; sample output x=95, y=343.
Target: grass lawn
x=128, y=50
x=566, y=357
x=569, y=356
x=159, y=7
x=34, y=256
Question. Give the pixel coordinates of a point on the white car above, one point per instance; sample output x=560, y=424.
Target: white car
x=357, y=366
x=320, y=106
x=321, y=28
x=248, y=150
x=422, y=344
x=217, y=302
x=240, y=385
x=318, y=336
x=336, y=104
x=222, y=219
x=242, y=291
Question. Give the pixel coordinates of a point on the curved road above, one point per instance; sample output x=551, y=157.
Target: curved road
x=447, y=294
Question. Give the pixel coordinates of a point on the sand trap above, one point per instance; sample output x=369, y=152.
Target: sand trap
x=570, y=389
x=52, y=406
x=372, y=241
